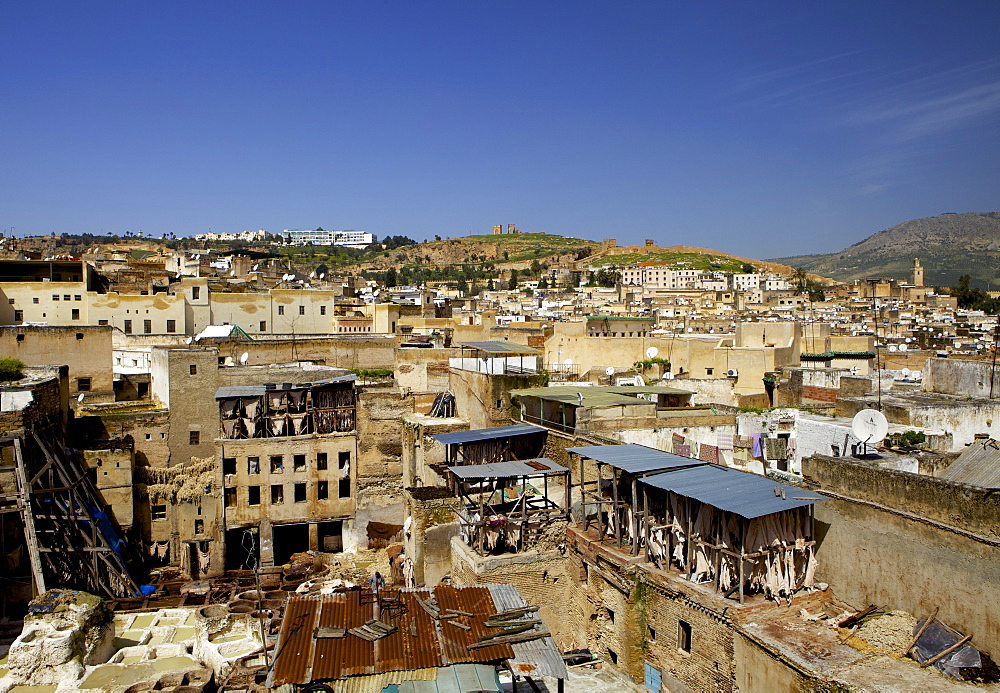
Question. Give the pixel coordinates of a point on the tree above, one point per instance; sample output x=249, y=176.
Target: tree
x=490, y=286
x=437, y=237
x=463, y=286
x=967, y=296
x=535, y=267
x=748, y=268
x=321, y=268
x=542, y=284
x=391, y=277
x=512, y=284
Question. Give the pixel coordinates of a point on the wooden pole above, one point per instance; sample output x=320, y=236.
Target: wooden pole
x=921, y=631
x=947, y=652
x=614, y=508
x=29, y=520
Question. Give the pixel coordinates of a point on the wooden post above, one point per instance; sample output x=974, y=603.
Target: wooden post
x=614, y=508
x=600, y=484
x=635, y=517
x=29, y=519
x=690, y=548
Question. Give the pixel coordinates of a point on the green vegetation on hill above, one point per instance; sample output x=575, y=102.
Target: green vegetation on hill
x=696, y=261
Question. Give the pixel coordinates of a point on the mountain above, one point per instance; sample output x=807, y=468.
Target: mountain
x=948, y=246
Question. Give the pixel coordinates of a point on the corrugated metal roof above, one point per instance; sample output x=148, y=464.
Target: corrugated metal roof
x=487, y=434
x=581, y=396
x=459, y=678
x=494, y=470
x=419, y=642
x=229, y=391
x=536, y=657
x=743, y=493
x=636, y=459
x=978, y=465
x=501, y=347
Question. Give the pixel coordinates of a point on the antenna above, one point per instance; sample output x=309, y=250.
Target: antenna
x=610, y=370
x=869, y=426
x=244, y=357
x=651, y=352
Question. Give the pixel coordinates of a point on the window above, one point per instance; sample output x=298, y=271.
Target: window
x=66, y=297
x=78, y=297
x=194, y=437
x=35, y=299
x=147, y=326
x=277, y=464
x=300, y=493
x=171, y=325
x=20, y=337
x=193, y=369
x=195, y=292
x=18, y=316
x=149, y=436
x=199, y=526
x=253, y=465
x=322, y=310
x=158, y=512
x=611, y=615
x=299, y=462
x=281, y=310
x=302, y=310
x=10, y=301
x=263, y=325
x=253, y=495
x=128, y=327
x=75, y=314
x=55, y=297
x=344, y=490
x=709, y=371
x=79, y=335
x=83, y=384
x=102, y=322
x=320, y=460
x=322, y=490
x=683, y=636
x=228, y=465
x=344, y=460
x=277, y=494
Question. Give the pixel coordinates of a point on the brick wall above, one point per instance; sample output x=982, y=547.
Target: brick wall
x=819, y=394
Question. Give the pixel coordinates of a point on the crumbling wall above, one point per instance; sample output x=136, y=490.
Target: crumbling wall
x=909, y=542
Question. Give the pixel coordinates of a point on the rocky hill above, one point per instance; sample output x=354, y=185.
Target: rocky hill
x=948, y=246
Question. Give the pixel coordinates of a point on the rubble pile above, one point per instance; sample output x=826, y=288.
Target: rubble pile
x=887, y=634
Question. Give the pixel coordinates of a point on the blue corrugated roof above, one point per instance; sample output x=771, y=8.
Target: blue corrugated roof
x=743, y=493
x=499, y=470
x=636, y=459
x=487, y=434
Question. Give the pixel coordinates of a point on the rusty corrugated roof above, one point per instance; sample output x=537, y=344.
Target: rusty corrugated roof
x=420, y=641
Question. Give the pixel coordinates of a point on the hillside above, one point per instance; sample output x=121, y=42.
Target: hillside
x=948, y=246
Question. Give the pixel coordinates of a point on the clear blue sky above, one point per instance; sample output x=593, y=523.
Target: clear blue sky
x=764, y=129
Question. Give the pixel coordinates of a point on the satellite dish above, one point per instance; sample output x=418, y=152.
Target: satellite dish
x=651, y=352
x=903, y=347
x=312, y=274
x=907, y=340
x=905, y=372
x=870, y=426
x=189, y=340
x=80, y=398
x=892, y=348
x=610, y=370
x=568, y=363
x=228, y=361
x=322, y=275
x=244, y=357
x=255, y=268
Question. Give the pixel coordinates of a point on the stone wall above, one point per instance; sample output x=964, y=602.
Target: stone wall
x=909, y=542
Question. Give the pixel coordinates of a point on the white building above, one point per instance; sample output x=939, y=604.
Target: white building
x=348, y=238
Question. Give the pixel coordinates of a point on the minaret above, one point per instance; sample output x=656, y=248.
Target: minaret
x=917, y=273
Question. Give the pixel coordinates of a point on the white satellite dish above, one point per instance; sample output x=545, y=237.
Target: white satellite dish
x=80, y=398
x=651, y=352
x=255, y=268
x=244, y=357
x=312, y=274
x=907, y=340
x=228, y=361
x=322, y=275
x=903, y=347
x=870, y=426
x=905, y=372
x=610, y=370
x=892, y=348
x=189, y=340
x=568, y=363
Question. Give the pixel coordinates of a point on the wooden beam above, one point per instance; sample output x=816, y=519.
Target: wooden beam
x=30, y=537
